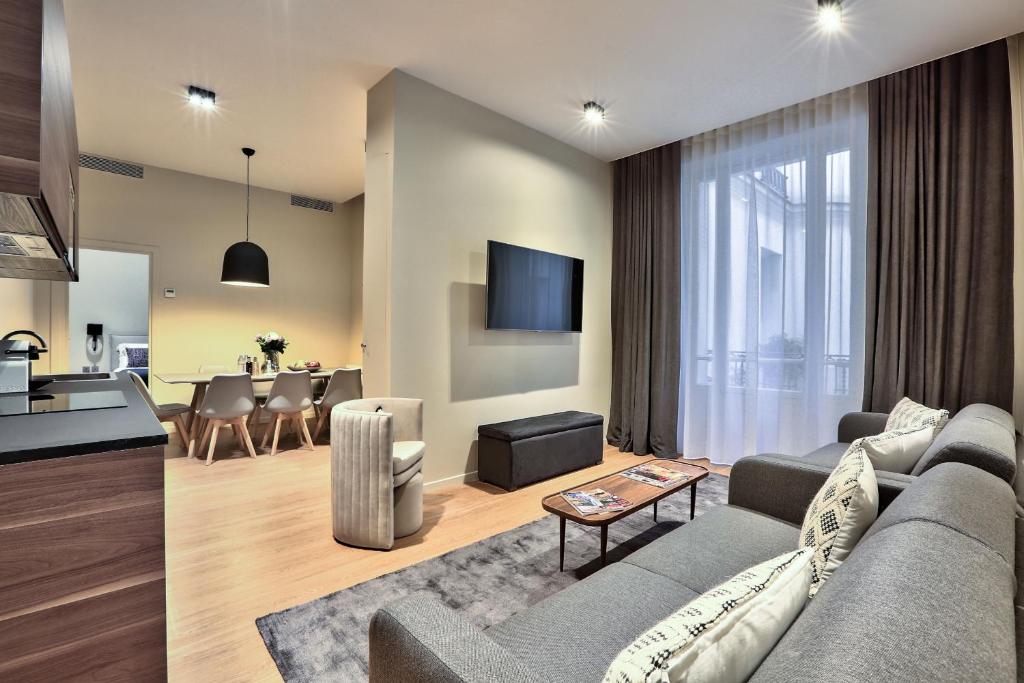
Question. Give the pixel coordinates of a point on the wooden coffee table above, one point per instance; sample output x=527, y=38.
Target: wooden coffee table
x=636, y=492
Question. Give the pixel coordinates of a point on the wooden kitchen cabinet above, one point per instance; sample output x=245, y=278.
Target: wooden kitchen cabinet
x=38, y=144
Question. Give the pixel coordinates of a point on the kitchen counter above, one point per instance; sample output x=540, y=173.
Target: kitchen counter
x=42, y=436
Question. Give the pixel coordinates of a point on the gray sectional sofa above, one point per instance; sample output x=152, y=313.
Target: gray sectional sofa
x=928, y=594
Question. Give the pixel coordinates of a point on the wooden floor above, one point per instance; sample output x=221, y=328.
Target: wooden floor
x=247, y=537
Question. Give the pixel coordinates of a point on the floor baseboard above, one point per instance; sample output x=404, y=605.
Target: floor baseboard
x=456, y=479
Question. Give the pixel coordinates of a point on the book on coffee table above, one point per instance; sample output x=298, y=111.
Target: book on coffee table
x=595, y=502
x=656, y=475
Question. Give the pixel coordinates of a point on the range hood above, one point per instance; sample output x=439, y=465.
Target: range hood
x=38, y=144
x=27, y=248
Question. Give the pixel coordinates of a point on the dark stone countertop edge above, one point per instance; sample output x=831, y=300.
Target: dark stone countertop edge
x=91, y=431
x=72, y=450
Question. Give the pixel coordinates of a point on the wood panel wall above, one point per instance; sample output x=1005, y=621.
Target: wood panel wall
x=82, y=568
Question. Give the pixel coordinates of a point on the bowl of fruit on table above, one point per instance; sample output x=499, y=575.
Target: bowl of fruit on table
x=310, y=365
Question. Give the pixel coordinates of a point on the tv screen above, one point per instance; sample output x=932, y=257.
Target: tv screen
x=533, y=290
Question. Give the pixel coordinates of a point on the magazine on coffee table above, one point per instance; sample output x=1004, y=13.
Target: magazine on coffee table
x=656, y=475
x=595, y=502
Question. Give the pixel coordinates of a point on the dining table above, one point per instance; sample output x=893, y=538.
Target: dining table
x=201, y=380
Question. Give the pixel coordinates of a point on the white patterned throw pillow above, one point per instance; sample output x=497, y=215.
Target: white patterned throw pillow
x=844, y=507
x=898, y=450
x=909, y=413
x=724, y=634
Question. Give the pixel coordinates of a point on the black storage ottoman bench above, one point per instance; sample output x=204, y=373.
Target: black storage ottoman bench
x=520, y=452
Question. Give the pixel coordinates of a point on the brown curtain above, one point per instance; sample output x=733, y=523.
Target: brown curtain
x=940, y=234
x=645, y=302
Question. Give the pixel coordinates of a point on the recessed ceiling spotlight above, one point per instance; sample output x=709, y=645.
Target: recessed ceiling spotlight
x=201, y=97
x=830, y=15
x=593, y=112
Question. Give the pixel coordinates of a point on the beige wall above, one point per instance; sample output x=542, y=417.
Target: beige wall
x=463, y=174
x=186, y=222
x=26, y=305
x=16, y=309
x=353, y=217
x=377, y=233
x=1016, y=45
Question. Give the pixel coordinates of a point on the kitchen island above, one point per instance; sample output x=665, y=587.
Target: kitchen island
x=82, y=592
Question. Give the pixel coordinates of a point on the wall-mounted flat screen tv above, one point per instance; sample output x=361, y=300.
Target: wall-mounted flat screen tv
x=533, y=290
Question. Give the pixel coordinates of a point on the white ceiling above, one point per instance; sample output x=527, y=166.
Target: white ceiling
x=291, y=75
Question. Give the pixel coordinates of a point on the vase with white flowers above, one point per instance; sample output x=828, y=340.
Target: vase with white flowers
x=272, y=345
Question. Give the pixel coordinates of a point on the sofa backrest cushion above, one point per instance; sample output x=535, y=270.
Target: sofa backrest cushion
x=980, y=435
x=927, y=594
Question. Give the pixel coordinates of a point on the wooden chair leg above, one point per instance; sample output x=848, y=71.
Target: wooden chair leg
x=319, y=424
x=305, y=432
x=266, y=433
x=254, y=419
x=216, y=425
x=277, y=433
x=243, y=428
x=192, y=439
x=179, y=424
x=196, y=432
x=207, y=430
x=236, y=427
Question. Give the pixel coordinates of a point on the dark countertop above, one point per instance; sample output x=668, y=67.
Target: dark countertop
x=42, y=436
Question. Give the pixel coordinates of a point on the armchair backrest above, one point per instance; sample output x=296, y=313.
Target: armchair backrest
x=362, y=500
x=407, y=414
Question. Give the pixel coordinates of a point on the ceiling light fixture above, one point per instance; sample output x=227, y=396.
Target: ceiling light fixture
x=245, y=263
x=593, y=112
x=830, y=15
x=201, y=97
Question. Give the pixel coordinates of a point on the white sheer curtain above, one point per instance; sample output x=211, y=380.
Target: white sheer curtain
x=773, y=225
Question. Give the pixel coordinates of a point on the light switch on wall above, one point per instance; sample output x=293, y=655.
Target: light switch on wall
x=170, y=293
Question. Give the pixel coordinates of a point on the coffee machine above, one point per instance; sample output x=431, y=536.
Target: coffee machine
x=16, y=356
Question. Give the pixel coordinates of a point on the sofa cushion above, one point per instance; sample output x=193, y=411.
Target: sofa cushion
x=965, y=499
x=406, y=460
x=720, y=543
x=516, y=430
x=828, y=455
x=908, y=413
x=980, y=435
x=405, y=454
x=897, y=450
x=927, y=595
x=724, y=634
x=576, y=633
x=845, y=506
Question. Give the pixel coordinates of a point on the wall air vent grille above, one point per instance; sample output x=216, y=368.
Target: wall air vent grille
x=106, y=165
x=310, y=203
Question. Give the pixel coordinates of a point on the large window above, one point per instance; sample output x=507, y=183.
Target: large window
x=773, y=229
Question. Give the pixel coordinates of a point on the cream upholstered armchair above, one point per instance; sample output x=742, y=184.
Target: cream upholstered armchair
x=376, y=455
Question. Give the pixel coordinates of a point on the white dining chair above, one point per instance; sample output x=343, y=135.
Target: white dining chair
x=345, y=384
x=211, y=369
x=290, y=395
x=229, y=401
x=165, y=412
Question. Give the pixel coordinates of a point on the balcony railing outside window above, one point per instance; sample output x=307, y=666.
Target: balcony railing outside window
x=777, y=371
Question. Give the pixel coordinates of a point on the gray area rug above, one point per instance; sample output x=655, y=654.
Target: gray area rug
x=487, y=582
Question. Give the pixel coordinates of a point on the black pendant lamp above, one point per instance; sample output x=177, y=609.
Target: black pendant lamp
x=245, y=263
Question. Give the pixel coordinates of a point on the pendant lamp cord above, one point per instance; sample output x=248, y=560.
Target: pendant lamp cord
x=248, y=160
